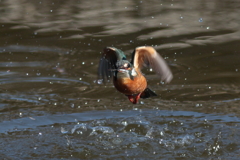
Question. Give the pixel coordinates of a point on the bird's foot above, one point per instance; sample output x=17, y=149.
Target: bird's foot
x=134, y=98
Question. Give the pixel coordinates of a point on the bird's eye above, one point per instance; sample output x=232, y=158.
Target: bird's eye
x=126, y=65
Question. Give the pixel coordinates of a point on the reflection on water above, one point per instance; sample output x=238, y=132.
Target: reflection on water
x=52, y=105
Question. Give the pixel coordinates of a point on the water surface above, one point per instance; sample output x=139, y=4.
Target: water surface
x=51, y=106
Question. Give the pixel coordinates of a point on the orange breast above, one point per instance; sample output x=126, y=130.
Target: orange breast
x=128, y=86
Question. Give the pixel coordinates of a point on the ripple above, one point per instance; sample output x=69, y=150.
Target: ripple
x=132, y=116
x=41, y=79
x=22, y=64
x=31, y=49
x=188, y=134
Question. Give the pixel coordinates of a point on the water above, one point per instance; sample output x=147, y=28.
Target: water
x=53, y=107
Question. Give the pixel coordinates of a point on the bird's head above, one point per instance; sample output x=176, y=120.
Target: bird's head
x=126, y=69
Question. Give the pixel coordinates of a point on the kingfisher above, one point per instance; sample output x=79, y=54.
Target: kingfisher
x=127, y=76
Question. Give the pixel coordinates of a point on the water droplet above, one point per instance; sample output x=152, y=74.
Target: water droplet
x=32, y=118
x=26, y=74
x=124, y=123
x=160, y=141
x=100, y=81
x=200, y=20
x=51, y=10
x=63, y=131
x=208, y=27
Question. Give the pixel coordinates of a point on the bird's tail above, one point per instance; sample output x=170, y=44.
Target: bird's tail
x=148, y=93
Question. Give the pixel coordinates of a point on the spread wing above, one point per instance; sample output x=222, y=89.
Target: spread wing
x=108, y=61
x=148, y=56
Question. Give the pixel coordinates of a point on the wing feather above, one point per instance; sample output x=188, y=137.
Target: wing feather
x=108, y=61
x=148, y=57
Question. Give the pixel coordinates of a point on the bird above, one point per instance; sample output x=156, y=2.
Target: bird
x=127, y=76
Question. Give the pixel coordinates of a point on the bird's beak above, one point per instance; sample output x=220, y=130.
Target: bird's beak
x=122, y=70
